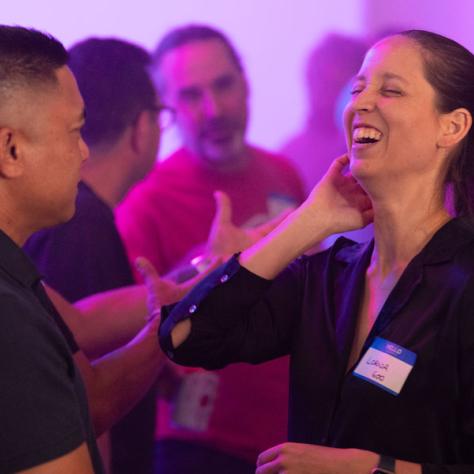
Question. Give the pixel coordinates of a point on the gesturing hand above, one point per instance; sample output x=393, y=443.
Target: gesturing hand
x=162, y=291
x=225, y=238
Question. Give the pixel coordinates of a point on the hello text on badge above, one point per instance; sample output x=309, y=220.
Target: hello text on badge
x=386, y=365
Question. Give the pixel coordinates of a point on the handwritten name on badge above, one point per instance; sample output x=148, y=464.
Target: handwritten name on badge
x=386, y=365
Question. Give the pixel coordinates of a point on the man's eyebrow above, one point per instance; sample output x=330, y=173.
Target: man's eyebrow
x=188, y=88
x=224, y=78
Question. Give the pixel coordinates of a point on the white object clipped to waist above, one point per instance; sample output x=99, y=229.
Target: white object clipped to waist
x=386, y=365
x=194, y=403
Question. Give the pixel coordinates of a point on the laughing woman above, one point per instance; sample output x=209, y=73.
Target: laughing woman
x=381, y=335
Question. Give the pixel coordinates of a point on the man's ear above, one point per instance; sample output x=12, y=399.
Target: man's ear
x=11, y=164
x=454, y=127
x=140, y=132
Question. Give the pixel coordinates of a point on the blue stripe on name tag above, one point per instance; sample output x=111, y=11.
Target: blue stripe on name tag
x=394, y=350
x=373, y=382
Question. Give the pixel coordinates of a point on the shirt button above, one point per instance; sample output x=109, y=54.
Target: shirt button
x=192, y=309
x=224, y=278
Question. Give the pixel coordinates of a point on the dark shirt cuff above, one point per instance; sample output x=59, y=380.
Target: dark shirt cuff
x=229, y=286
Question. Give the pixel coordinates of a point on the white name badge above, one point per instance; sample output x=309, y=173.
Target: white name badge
x=194, y=403
x=386, y=365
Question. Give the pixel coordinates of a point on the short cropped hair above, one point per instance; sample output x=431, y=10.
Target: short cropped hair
x=113, y=78
x=28, y=58
x=190, y=34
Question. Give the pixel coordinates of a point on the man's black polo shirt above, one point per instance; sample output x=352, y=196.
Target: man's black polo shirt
x=43, y=404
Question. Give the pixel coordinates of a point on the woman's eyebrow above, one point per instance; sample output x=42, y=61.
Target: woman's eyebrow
x=386, y=75
x=391, y=75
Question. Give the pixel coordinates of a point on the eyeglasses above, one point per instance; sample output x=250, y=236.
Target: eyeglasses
x=164, y=115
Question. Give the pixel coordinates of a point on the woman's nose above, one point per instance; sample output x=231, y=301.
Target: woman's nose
x=363, y=101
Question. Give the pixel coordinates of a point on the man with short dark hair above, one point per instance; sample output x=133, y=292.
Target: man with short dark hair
x=47, y=382
x=200, y=75
x=44, y=408
x=123, y=135
x=120, y=91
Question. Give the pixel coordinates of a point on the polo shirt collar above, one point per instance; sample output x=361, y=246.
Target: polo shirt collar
x=15, y=262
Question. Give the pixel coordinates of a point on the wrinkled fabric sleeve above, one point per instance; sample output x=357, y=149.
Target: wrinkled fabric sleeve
x=236, y=316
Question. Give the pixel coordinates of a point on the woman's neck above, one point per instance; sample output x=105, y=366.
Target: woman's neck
x=401, y=232
x=408, y=211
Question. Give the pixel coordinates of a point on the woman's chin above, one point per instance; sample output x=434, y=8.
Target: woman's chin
x=359, y=168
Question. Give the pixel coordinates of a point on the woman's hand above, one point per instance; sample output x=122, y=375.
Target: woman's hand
x=338, y=202
x=298, y=458
x=335, y=205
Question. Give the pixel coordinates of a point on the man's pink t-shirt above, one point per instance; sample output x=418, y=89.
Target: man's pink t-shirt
x=167, y=215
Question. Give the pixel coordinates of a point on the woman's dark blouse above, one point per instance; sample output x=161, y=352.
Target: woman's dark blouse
x=309, y=311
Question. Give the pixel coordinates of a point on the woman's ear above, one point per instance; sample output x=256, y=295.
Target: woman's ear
x=11, y=164
x=454, y=127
